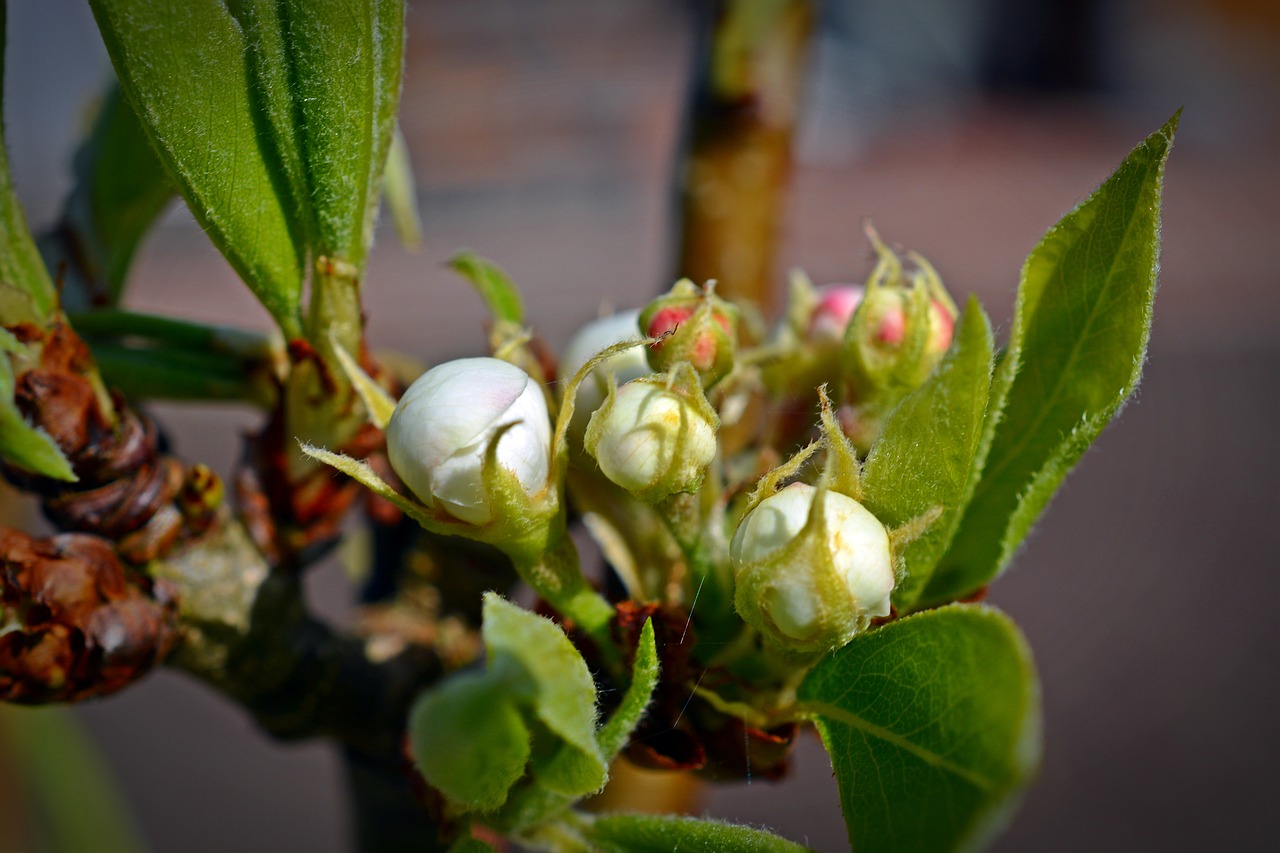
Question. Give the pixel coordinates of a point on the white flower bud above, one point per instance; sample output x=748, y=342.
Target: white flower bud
x=652, y=440
x=813, y=595
x=625, y=366
x=438, y=435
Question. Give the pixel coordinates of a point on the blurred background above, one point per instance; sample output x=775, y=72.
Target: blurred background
x=543, y=134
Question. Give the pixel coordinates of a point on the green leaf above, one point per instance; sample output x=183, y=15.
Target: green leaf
x=70, y=785
x=327, y=72
x=535, y=804
x=469, y=740
x=926, y=452
x=662, y=834
x=121, y=190
x=1075, y=354
x=932, y=724
x=470, y=845
x=402, y=194
x=183, y=68
x=21, y=443
x=553, y=678
x=493, y=285
x=615, y=733
x=21, y=268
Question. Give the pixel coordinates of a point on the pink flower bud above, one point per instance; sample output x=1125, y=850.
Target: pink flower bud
x=836, y=304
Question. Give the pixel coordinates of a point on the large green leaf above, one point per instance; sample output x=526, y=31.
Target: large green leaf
x=1075, y=354
x=550, y=675
x=22, y=272
x=663, y=834
x=68, y=782
x=183, y=68
x=925, y=455
x=932, y=723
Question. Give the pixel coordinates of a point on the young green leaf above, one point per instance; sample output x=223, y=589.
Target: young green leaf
x=551, y=676
x=183, y=69
x=121, y=189
x=402, y=194
x=469, y=740
x=1075, y=354
x=535, y=804
x=926, y=452
x=615, y=733
x=21, y=443
x=21, y=270
x=624, y=833
x=932, y=723
x=492, y=283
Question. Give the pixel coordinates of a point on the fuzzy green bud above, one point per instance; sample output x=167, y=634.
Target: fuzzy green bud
x=653, y=437
x=810, y=578
x=699, y=328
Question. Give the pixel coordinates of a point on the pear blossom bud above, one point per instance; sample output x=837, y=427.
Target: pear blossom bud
x=700, y=327
x=653, y=440
x=623, y=367
x=806, y=586
x=440, y=431
x=830, y=317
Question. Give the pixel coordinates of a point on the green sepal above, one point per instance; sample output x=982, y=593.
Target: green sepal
x=932, y=723
x=1075, y=354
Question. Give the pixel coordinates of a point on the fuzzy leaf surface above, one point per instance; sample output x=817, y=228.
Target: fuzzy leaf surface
x=1075, y=354
x=933, y=728
x=468, y=739
x=925, y=456
x=623, y=833
x=326, y=73
x=183, y=68
x=533, y=654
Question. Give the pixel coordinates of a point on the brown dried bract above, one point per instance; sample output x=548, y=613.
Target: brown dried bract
x=127, y=490
x=74, y=624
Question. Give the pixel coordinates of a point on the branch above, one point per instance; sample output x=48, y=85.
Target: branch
x=737, y=158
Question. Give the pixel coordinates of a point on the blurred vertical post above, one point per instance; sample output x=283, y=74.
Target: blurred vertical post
x=732, y=174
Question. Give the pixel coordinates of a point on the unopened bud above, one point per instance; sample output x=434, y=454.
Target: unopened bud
x=700, y=328
x=810, y=581
x=623, y=367
x=897, y=336
x=653, y=438
x=833, y=311
x=438, y=437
